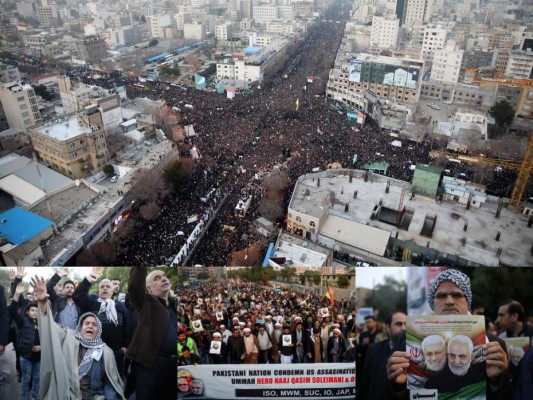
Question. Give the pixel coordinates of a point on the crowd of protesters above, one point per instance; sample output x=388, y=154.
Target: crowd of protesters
x=71, y=344
x=252, y=322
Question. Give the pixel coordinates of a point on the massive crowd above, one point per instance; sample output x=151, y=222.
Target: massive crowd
x=247, y=323
x=71, y=344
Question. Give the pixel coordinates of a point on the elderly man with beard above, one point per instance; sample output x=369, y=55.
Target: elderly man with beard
x=74, y=364
x=64, y=309
x=459, y=372
x=153, y=346
x=251, y=345
x=451, y=294
x=111, y=313
x=434, y=350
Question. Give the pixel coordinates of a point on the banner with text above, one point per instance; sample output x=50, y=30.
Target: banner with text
x=260, y=381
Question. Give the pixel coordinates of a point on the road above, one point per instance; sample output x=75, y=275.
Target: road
x=9, y=386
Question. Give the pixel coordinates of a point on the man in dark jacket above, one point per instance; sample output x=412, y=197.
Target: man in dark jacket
x=236, y=348
x=336, y=347
x=29, y=345
x=314, y=349
x=64, y=310
x=373, y=383
x=153, y=346
x=4, y=322
x=111, y=313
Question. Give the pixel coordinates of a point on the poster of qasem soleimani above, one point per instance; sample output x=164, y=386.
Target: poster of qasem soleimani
x=447, y=360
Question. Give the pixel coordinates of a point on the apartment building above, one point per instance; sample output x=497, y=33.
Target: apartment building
x=434, y=38
x=9, y=73
x=416, y=12
x=74, y=145
x=20, y=105
x=520, y=64
x=384, y=32
x=92, y=49
x=447, y=63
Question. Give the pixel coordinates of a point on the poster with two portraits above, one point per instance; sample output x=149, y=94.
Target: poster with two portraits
x=446, y=356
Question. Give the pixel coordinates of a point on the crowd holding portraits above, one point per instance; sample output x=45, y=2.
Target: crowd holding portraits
x=262, y=326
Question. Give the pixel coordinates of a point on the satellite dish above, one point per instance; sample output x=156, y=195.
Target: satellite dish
x=77, y=182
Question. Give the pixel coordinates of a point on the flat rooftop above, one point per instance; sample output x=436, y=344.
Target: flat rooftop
x=388, y=60
x=481, y=245
x=64, y=128
x=300, y=252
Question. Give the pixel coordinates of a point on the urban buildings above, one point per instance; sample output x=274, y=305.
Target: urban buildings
x=20, y=105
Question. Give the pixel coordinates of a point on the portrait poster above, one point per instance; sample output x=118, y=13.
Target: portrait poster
x=215, y=347
x=516, y=348
x=220, y=316
x=287, y=340
x=197, y=326
x=324, y=312
x=447, y=360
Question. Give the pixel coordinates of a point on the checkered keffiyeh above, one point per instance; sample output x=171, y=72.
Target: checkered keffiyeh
x=95, y=347
x=456, y=277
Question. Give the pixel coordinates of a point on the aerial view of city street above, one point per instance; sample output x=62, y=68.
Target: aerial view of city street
x=277, y=133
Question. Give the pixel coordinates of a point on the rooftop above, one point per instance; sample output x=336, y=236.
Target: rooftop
x=64, y=128
x=480, y=247
x=402, y=62
x=18, y=226
x=300, y=252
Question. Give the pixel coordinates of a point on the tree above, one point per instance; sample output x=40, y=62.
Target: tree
x=173, y=174
x=109, y=169
x=143, y=19
x=149, y=211
x=42, y=91
x=504, y=114
x=389, y=296
x=153, y=42
x=343, y=281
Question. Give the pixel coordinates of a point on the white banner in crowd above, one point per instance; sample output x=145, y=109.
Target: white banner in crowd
x=260, y=381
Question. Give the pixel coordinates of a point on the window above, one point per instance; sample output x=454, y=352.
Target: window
x=298, y=219
x=312, y=223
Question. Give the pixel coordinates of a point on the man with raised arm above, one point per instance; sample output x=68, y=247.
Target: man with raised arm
x=64, y=310
x=153, y=346
x=111, y=313
x=75, y=364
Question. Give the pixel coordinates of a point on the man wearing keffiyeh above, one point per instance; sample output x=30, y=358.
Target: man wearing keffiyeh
x=112, y=314
x=74, y=364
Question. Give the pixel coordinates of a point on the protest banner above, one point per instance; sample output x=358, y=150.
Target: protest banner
x=259, y=381
x=446, y=357
x=516, y=348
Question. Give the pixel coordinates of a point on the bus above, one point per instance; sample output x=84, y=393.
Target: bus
x=243, y=205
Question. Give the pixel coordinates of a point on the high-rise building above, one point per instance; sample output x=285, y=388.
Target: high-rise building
x=447, y=63
x=434, y=38
x=74, y=145
x=92, y=48
x=20, y=105
x=8, y=73
x=384, y=32
x=520, y=64
x=416, y=12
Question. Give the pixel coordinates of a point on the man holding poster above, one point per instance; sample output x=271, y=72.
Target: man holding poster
x=451, y=295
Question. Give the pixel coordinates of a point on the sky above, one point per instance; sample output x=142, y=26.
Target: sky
x=371, y=276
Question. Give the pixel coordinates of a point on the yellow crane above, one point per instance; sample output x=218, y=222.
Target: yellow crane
x=524, y=168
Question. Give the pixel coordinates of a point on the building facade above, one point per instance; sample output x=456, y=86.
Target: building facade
x=20, y=105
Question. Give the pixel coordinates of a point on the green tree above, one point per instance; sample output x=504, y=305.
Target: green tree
x=211, y=70
x=343, y=281
x=167, y=70
x=42, y=91
x=143, y=19
x=391, y=295
x=109, y=169
x=504, y=115
x=173, y=174
x=153, y=42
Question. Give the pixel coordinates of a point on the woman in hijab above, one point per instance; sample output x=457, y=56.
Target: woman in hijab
x=75, y=365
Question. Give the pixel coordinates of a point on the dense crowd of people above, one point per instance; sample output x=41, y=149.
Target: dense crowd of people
x=71, y=344
x=247, y=323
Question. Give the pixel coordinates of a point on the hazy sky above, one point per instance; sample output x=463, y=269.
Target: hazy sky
x=371, y=276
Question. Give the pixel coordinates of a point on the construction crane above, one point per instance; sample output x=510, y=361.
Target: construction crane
x=524, y=168
x=472, y=76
